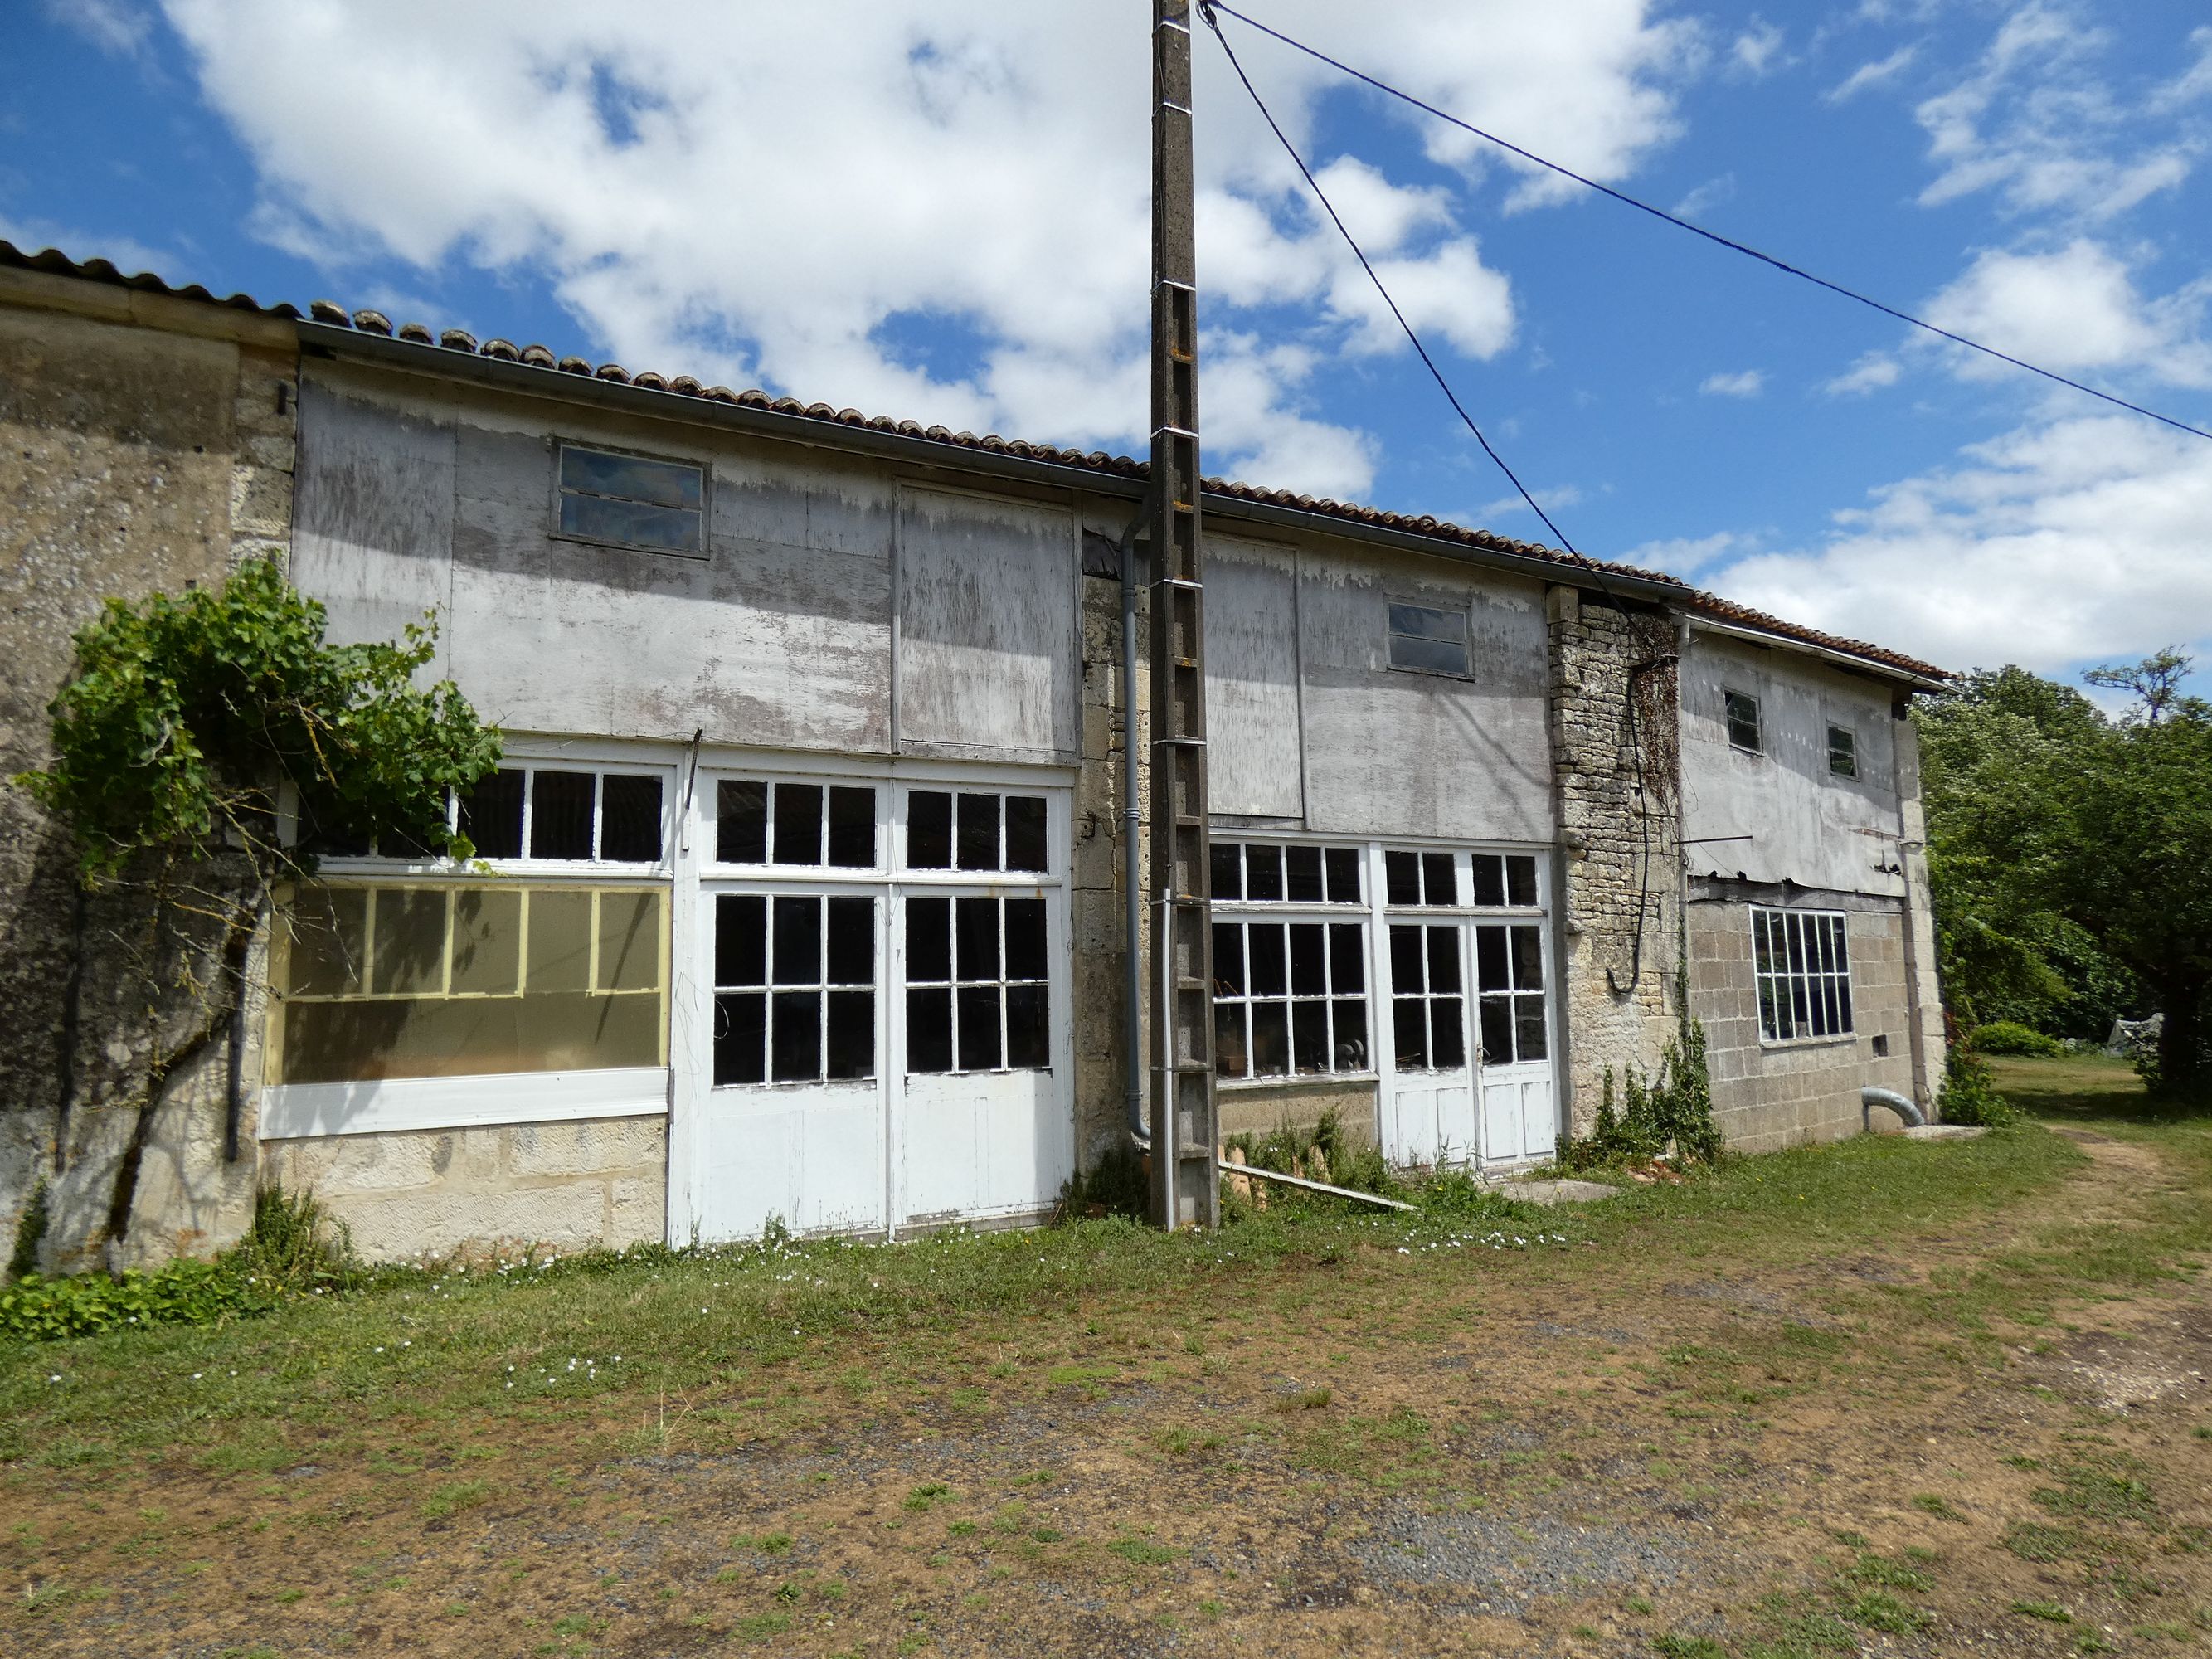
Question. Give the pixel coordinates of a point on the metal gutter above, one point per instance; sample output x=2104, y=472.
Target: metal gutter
x=1842, y=658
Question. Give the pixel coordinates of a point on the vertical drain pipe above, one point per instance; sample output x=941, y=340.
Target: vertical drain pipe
x=1133, y=922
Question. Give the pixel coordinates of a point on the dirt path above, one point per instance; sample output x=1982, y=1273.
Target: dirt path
x=1562, y=1457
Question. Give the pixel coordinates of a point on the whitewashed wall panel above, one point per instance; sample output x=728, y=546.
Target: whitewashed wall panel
x=1255, y=766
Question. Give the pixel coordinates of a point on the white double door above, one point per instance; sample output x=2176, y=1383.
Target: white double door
x=1470, y=1078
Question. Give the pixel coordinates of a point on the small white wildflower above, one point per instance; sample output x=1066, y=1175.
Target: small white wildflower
x=55, y=1378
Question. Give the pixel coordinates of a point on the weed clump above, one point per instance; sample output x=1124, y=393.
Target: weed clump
x=1669, y=1113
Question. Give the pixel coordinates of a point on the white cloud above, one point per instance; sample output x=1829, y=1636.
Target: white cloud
x=1711, y=194
x=1874, y=74
x=2074, y=309
x=1758, y=50
x=1685, y=555
x=1552, y=500
x=1872, y=372
x=1749, y=383
x=118, y=28
x=2057, y=543
x=126, y=255
x=750, y=193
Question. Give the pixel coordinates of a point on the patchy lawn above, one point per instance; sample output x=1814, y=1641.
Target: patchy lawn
x=1880, y=1397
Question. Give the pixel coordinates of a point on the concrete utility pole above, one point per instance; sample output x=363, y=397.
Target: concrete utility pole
x=1186, y=1182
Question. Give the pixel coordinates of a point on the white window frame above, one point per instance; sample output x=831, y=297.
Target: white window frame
x=1821, y=945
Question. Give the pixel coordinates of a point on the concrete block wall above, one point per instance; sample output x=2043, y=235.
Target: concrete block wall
x=1769, y=1096
x=565, y=1187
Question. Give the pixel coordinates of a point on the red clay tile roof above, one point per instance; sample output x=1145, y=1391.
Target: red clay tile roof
x=1695, y=600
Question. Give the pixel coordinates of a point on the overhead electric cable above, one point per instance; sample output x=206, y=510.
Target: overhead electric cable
x=1209, y=7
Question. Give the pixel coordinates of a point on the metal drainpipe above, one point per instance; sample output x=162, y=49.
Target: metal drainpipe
x=1133, y=1054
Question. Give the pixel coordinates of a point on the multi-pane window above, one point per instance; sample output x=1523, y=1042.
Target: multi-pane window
x=976, y=829
x=1843, y=751
x=1427, y=639
x=629, y=501
x=1801, y=959
x=1428, y=998
x=977, y=992
x=565, y=815
x=1509, y=969
x=1505, y=880
x=1420, y=878
x=1289, y=998
x=1741, y=709
x=1254, y=872
x=810, y=825
x=794, y=987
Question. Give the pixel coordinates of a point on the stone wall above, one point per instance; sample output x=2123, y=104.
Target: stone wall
x=1766, y=1096
x=564, y=1186
x=1261, y=1110
x=1617, y=788
x=146, y=443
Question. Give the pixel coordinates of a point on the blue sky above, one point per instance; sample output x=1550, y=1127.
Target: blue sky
x=939, y=212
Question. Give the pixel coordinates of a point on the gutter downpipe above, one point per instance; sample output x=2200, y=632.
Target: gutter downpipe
x=1870, y=1098
x=1132, y=895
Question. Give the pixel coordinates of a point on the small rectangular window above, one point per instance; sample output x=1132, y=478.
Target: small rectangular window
x=627, y=501
x=810, y=825
x=557, y=815
x=1428, y=639
x=974, y=830
x=1255, y=872
x=1843, y=751
x=1742, y=710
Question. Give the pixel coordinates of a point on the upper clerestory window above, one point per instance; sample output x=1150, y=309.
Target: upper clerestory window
x=1742, y=709
x=1843, y=751
x=1428, y=639
x=628, y=500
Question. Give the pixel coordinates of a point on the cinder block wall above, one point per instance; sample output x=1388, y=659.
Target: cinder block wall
x=1766, y=1096
x=562, y=1186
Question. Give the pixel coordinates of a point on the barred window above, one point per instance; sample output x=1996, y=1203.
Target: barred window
x=1289, y=998
x=1801, y=959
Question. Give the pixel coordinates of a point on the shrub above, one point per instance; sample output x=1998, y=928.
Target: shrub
x=1672, y=1109
x=2008, y=1036
x=1969, y=1094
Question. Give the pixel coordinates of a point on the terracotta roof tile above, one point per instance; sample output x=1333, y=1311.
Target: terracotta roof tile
x=1692, y=600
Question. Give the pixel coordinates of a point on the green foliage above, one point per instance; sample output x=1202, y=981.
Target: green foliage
x=1321, y=1152
x=1115, y=1185
x=30, y=1232
x=1969, y=1094
x=186, y=712
x=294, y=1245
x=1672, y=1109
x=2006, y=1037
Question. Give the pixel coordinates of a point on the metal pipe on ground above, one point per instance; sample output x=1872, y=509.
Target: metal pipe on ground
x=1870, y=1098
x=1315, y=1186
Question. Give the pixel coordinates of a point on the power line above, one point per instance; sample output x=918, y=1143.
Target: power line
x=1321, y=196
x=1208, y=9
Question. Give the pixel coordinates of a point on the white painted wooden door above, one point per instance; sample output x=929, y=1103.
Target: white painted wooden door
x=1432, y=1118
x=1520, y=1110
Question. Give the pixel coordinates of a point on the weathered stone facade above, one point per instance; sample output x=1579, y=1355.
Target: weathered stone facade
x=146, y=443
x=1611, y=693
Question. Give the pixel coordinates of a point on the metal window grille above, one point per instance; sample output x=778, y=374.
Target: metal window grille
x=1802, y=961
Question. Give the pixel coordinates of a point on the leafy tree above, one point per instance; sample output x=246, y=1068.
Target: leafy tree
x=192, y=723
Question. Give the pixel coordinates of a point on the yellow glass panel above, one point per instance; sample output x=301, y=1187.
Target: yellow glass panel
x=327, y=949
x=411, y=941
x=559, y=940
x=487, y=941
x=629, y=941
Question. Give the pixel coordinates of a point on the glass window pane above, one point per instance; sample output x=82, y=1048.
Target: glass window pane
x=1029, y=1028
x=329, y=942
x=798, y=940
x=1230, y=1058
x=1521, y=880
x=795, y=1045
x=1801, y=1019
x=1025, y=938
x=1307, y=975
x=1489, y=878
x=1843, y=1005
x=1410, y=1020
x=1229, y=959
x=1265, y=944
x=852, y=1035
x=629, y=819
x=851, y=941
x=1528, y=959
x=1762, y=950
x=1528, y=1026
x=976, y=953
x=797, y=823
x=1496, y=1029
x=411, y=941
x=629, y=940
x=1436, y=656
x=631, y=478
x=1447, y=1032
x=1768, y=1024
x=491, y=815
x=929, y=1028
x=1490, y=969
x=1406, y=971
x=1227, y=861
x=928, y=831
x=740, y=939
x=1343, y=875
x=1444, y=959
x=1351, y=1034
x=740, y=1037
x=488, y=942
x=853, y=828
x=1439, y=878
x=1402, y=877
x=929, y=939
x=741, y=822
x=1301, y=881
x=1025, y=835
x=1263, y=873
x=1347, y=958
x=1794, y=932
x=979, y=1027
x=559, y=952
x=978, y=824
x=632, y=523
x=561, y=815
x=1271, y=1039
x=1309, y=1036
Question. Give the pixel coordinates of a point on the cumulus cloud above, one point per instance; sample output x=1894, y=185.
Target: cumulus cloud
x=2059, y=543
x=1748, y=383
x=1758, y=50
x=2074, y=309
x=754, y=194
x=1874, y=74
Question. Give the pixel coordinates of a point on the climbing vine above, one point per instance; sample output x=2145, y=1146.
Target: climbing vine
x=1669, y=1111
